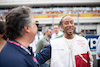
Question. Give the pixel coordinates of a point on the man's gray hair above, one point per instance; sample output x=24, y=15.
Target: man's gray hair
x=16, y=19
x=45, y=30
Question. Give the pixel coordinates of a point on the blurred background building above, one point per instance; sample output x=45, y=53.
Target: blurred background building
x=86, y=15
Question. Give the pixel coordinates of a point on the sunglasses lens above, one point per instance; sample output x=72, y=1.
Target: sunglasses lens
x=37, y=25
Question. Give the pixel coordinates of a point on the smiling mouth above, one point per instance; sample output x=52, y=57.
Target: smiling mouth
x=70, y=30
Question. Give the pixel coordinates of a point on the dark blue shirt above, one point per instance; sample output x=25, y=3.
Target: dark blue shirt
x=14, y=56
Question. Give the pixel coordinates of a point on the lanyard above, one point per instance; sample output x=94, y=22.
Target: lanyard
x=20, y=46
x=34, y=59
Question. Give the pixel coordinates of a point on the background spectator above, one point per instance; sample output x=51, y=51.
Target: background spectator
x=2, y=35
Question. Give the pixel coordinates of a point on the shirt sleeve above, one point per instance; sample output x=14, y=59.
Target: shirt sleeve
x=98, y=46
x=39, y=46
x=44, y=55
x=90, y=56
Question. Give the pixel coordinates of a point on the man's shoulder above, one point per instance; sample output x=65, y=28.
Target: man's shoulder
x=12, y=57
x=53, y=34
x=99, y=38
x=60, y=32
x=42, y=39
x=9, y=53
x=80, y=37
x=11, y=50
x=57, y=38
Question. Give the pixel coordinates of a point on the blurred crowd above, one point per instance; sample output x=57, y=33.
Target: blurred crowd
x=60, y=10
x=67, y=12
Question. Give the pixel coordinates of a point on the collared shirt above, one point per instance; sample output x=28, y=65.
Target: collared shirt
x=54, y=35
x=14, y=56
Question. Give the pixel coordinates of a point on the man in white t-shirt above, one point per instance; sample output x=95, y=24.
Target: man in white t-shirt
x=57, y=31
x=69, y=49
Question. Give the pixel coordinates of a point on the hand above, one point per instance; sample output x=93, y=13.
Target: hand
x=99, y=54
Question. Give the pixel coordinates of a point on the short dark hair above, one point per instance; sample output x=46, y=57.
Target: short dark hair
x=55, y=25
x=16, y=19
x=62, y=19
x=2, y=29
x=45, y=30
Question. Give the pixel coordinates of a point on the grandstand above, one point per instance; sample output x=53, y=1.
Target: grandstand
x=49, y=12
x=86, y=14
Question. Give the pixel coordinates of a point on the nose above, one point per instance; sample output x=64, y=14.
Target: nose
x=69, y=24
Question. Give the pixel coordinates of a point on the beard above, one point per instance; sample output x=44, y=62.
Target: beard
x=69, y=31
x=49, y=35
x=69, y=34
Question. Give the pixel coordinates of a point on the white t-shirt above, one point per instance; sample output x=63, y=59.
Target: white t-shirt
x=54, y=35
x=70, y=45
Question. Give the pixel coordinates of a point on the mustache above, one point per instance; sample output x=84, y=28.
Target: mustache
x=69, y=34
x=70, y=29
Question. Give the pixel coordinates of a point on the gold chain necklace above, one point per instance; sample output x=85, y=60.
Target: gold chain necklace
x=69, y=46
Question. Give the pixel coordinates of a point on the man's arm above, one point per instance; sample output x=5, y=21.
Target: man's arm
x=99, y=54
x=90, y=57
x=44, y=55
x=39, y=46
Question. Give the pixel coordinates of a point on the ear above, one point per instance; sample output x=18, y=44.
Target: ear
x=45, y=32
x=61, y=26
x=27, y=29
x=1, y=35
